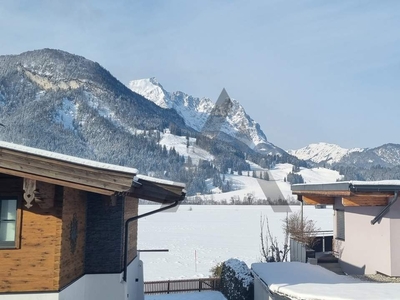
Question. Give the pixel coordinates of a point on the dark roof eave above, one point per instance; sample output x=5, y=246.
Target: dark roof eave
x=345, y=186
x=156, y=191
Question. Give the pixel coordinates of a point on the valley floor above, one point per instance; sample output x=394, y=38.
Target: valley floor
x=200, y=236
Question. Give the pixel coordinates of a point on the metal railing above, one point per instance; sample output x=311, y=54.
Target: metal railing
x=184, y=285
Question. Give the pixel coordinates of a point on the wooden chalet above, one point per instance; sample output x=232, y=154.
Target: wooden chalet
x=62, y=223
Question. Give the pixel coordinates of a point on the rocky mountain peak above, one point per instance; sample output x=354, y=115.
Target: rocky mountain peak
x=200, y=113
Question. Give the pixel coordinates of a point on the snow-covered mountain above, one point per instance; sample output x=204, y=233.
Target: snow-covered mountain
x=57, y=101
x=323, y=153
x=387, y=155
x=194, y=110
x=197, y=111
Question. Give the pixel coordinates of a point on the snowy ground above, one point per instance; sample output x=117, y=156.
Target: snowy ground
x=188, y=296
x=199, y=237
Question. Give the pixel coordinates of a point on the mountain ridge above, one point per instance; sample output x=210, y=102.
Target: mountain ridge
x=323, y=152
x=196, y=112
x=386, y=155
x=57, y=101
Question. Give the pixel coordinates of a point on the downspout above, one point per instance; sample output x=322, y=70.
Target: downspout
x=127, y=222
x=386, y=209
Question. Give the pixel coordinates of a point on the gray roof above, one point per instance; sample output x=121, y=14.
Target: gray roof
x=352, y=186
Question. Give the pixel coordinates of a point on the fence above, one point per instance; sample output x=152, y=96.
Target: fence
x=299, y=251
x=177, y=286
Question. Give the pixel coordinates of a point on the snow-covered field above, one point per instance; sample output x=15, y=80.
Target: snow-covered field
x=199, y=237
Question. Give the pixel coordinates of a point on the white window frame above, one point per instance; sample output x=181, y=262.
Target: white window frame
x=5, y=241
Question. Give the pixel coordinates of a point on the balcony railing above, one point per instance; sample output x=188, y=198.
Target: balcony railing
x=178, y=286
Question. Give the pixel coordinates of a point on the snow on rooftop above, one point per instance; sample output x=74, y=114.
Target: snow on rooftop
x=161, y=181
x=353, y=182
x=305, y=281
x=67, y=158
x=380, y=182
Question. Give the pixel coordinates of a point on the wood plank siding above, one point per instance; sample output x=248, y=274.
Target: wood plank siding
x=44, y=260
x=31, y=267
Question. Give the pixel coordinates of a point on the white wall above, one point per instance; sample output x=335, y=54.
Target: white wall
x=108, y=286
x=104, y=287
x=96, y=287
x=261, y=291
x=135, y=284
x=366, y=248
x=394, y=215
x=36, y=296
x=74, y=291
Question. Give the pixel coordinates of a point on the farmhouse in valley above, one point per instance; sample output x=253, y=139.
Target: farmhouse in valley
x=62, y=226
x=366, y=223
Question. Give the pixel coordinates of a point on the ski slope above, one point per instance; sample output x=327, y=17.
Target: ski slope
x=245, y=185
x=180, y=145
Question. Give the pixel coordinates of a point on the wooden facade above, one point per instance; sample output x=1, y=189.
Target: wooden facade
x=44, y=260
x=70, y=217
x=347, y=198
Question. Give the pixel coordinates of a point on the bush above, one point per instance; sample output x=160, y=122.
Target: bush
x=237, y=282
x=216, y=270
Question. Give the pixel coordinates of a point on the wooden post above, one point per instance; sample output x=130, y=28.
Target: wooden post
x=168, y=287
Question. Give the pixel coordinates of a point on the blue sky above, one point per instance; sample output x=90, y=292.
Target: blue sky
x=307, y=71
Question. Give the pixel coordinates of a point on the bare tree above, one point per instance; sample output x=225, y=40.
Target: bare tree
x=270, y=249
x=303, y=231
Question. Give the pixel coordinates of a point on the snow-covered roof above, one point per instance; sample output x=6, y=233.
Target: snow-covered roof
x=356, y=186
x=67, y=158
x=305, y=281
x=161, y=181
x=84, y=174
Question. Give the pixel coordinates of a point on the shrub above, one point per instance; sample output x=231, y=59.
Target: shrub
x=237, y=282
x=216, y=270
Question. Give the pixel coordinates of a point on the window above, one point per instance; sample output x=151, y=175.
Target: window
x=8, y=218
x=340, y=224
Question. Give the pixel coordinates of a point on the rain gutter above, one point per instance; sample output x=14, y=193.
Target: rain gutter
x=386, y=209
x=128, y=221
